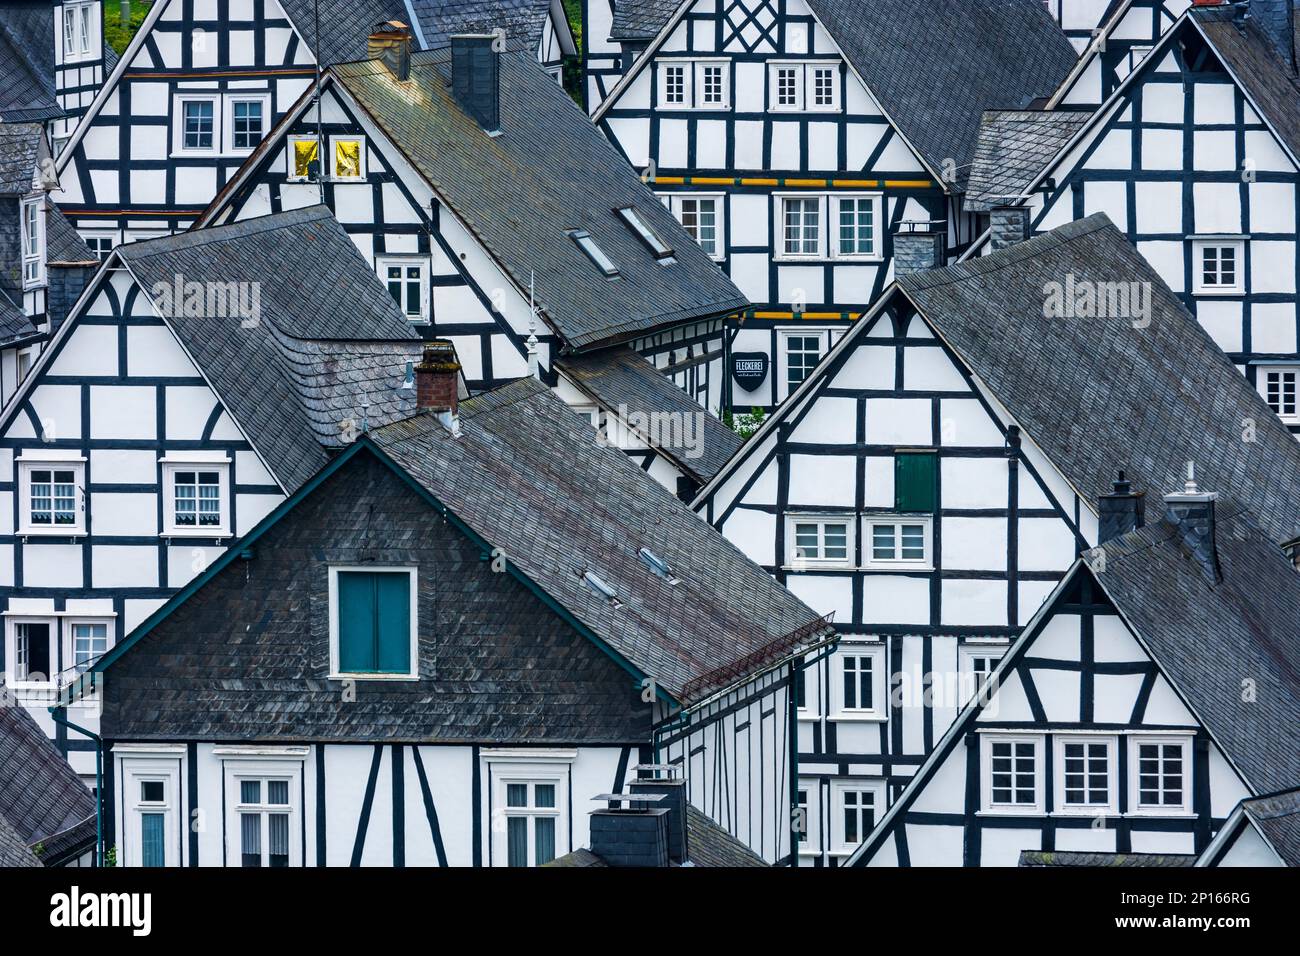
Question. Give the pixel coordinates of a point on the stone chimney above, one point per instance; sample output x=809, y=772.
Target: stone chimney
x=672, y=787
x=390, y=43
x=916, y=250
x=1191, y=511
x=1121, y=511
x=476, y=78
x=1007, y=226
x=437, y=382
x=633, y=836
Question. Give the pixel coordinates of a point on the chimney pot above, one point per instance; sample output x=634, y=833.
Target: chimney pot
x=1121, y=511
x=476, y=78
x=390, y=43
x=1007, y=226
x=437, y=380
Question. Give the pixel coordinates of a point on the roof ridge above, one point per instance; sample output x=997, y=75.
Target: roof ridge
x=212, y=234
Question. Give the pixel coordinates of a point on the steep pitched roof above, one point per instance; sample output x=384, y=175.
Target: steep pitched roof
x=1248, y=619
x=575, y=506
x=27, y=63
x=619, y=378
x=345, y=25
x=328, y=338
x=523, y=20
x=1013, y=148
x=15, y=326
x=1278, y=818
x=14, y=850
x=1101, y=394
x=20, y=149
x=1119, y=860
x=548, y=173
x=641, y=19
x=41, y=797
x=63, y=244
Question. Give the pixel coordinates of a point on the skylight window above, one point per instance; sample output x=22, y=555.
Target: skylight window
x=594, y=252
x=657, y=565
x=638, y=225
x=599, y=587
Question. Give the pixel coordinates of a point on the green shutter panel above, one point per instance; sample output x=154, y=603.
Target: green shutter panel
x=356, y=596
x=393, y=593
x=915, y=481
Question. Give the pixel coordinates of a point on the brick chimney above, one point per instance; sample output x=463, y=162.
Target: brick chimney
x=437, y=383
x=1191, y=511
x=390, y=43
x=1121, y=511
x=918, y=249
x=476, y=78
x=1007, y=226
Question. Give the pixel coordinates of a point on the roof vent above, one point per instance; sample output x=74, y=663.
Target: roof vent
x=1119, y=512
x=657, y=565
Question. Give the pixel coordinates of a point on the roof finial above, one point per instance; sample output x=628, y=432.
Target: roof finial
x=534, y=366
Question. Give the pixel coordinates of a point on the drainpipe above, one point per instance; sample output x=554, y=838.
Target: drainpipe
x=58, y=714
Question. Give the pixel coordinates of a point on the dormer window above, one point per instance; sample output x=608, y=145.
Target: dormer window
x=638, y=225
x=79, y=30
x=597, y=255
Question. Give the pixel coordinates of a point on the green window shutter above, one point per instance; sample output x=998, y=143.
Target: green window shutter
x=915, y=481
x=356, y=610
x=393, y=622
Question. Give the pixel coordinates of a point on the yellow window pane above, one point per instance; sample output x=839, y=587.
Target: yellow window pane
x=304, y=153
x=347, y=159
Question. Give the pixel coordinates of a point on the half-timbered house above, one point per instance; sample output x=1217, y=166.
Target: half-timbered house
x=203, y=81
x=442, y=647
x=936, y=476
x=1104, y=729
x=1262, y=831
x=199, y=380
x=1195, y=157
x=794, y=139
x=1080, y=20
x=1112, y=42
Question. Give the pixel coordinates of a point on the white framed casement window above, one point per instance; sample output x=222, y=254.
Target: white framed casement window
x=100, y=243
x=801, y=217
x=302, y=152
x=80, y=31
x=823, y=87
x=701, y=215
x=785, y=87
x=1278, y=384
x=858, y=686
x=675, y=80
x=32, y=213
x=150, y=813
x=975, y=665
x=407, y=281
x=800, y=353
x=807, y=692
x=263, y=813
x=348, y=158
x=196, y=495
x=812, y=86
x=808, y=803
x=856, y=806
x=1218, y=266
x=373, y=623
x=51, y=496
x=1011, y=774
x=197, y=124
x=895, y=541
x=23, y=362
x=1160, y=775
x=31, y=652
x=86, y=640
x=1087, y=774
x=819, y=541
x=529, y=799
x=856, y=226
x=245, y=121
x=712, y=84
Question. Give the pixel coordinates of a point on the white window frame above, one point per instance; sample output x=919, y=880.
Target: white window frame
x=1111, y=806
x=178, y=124
x=698, y=86
x=839, y=787
x=289, y=162
x=114, y=239
x=228, y=147
x=987, y=806
x=1199, y=248
x=384, y=262
x=783, y=356
x=805, y=91
x=81, y=29
x=810, y=92
x=1261, y=383
x=795, y=562
x=812, y=702
x=515, y=766
x=32, y=213
x=335, y=672
x=363, y=161
x=12, y=623
x=177, y=462
x=876, y=253
x=24, y=360
x=1135, y=741
x=134, y=772
x=48, y=462
x=774, y=70
x=262, y=769
x=811, y=844
x=876, y=652
x=675, y=201
x=966, y=656
x=869, y=559
x=688, y=77
x=782, y=254
x=69, y=641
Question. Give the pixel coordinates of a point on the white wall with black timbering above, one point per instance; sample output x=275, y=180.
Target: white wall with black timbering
x=604, y=61
x=79, y=63
x=1005, y=527
x=1109, y=57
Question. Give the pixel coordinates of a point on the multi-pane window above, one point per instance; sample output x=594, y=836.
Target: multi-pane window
x=1013, y=773
x=406, y=284
x=820, y=540
x=674, y=80
x=531, y=814
x=31, y=653
x=246, y=123
x=33, y=234
x=802, y=355
x=899, y=542
x=711, y=87
x=858, y=674
x=976, y=667
x=263, y=812
x=198, y=118
x=788, y=86
x=858, y=809
x=1218, y=266
x=701, y=217
x=1086, y=773
x=812, y=86
x=100, y=245
x=373, y=622
x=78, y=30
x=801, y=222
x=857, y=226
x=1161, y=767
x=1278, y=386
x=151, y=810
x=197, y=499
x=852, y=222
x=823, y=87
x=52, y=498
x=89, y=643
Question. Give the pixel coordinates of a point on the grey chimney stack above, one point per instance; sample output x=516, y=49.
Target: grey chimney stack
x=1007, y=226
x=390, y=43
x=919, y=250
x=635, y=836
x=672, y=787
x=476, y=78
x=1121, y=511
x=1191, y=511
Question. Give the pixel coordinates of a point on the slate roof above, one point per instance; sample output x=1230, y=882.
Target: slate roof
x=641, y=19
x=20, y=149
x=576, y=505
x=63, y=244
x=619, y=378
x=1121, y=860
x=1278, y=818
x=345, y=25
x=707, y=844
x=1014, y=146
x=27, y=62
x=1100, y=395
x=330, y=336
x=41, y=797
x=522, y=20
x=1211, y=638
x=549, y=172
x=14, y=324
x=14, y=851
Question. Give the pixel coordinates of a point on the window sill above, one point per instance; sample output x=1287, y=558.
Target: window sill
x=214, y=534
x=807, y=715
x=1010, y=812
x=1220, y=293
x=51, y=533
x=380, y=677
x=1088, y=813
x=900, y=566
x=859, y=717
x=818, y=566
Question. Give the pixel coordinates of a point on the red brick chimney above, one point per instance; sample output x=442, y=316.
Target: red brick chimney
x=437, y=380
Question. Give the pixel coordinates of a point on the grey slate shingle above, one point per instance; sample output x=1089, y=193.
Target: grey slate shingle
x=41, y=798
x=20, y=149
x=1039, y=858
x=345, y=25
x=641, y=19
x=1014, y=146
x=522, y=20
x=1099, y=395
x=1278, y=817
x=27, y=62
x=707, y=845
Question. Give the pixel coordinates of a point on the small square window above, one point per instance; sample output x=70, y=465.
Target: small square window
x=1012, y=774
x=247, y=122
x=88, y=641
x=1218, y=266
x=407, y=282
x=304, y=158
x=51, y=497
x=196, y=497
x=100, y=243
x=373, y=623
x=856, y=807
x=1278, y=383
x=819, y=541
x=198, y=125
x=152, y=791
x=898, y=542
x=1160, y=775
x=803, y=353
x=976, y=664
x=1086, y=774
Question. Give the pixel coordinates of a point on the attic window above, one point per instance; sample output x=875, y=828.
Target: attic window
x=638, y=225
x=594, y=252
